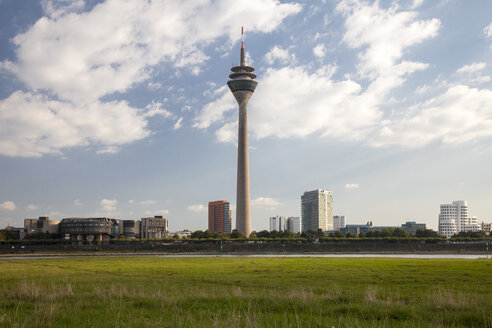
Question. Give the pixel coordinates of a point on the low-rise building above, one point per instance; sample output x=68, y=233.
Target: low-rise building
x=131, y=229
x=90, y=229
x=486, y=227
x=153, y=228
x=411, y=227
x=42, y=224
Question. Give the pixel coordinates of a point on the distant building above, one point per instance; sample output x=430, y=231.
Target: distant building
x=338, y=222
x=486, y=227
x=278, y=223
x=153, y=227
x=42, y=224
x=181, y=234
x=19, y=233
x=294, y=224
x=317, y=210
x=90, y=229
x=411, y=227
x=131, y=229
x=219, y=216
x=454, y=218
x=355, y=229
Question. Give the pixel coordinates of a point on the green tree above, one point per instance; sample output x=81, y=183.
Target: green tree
x=422, y=233
x=398, y=232
x=237, y=235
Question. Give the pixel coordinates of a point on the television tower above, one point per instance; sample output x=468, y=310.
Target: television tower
x=242, y=85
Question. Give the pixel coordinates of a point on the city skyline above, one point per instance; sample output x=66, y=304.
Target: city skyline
x=112, y=110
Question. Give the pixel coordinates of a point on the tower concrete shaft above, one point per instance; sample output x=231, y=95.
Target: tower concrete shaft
x=242, y=85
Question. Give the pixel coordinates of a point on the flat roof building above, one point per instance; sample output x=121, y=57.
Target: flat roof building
x=219, y=216
x=153, y=228
x=317, y=210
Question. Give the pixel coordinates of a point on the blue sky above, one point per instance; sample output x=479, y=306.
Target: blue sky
x=120, y=108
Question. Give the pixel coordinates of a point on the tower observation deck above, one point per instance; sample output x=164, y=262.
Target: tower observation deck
x=242, y=86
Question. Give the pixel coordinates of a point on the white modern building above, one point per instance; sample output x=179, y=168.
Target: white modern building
x=278, y=223
x=338, y=222
x=317, y=210
x=454, y=218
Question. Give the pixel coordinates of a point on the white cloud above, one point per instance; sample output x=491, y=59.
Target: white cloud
x=110, y=48
x=79, y=57
x=147, y=202
x=319, y=51
x=154, y=85
x=460, y=115
x=227, y=133
x=131, y=201
x=57, y=8
x=472, y=68
x=155, y=108
x=108, y=205
x=472, y=73
x=265, y=202
x=77, y=202
x=32, y=125
x=32, y=207
x=197, y=208
x=488, y=30
x=328, y=107
x=422, y=89
x=8, y=205
x=214, y=111
x=416, y=4
x=384, y=33
x=280, y=55
x=352, y=186
x=177, y=125
x=335, y=108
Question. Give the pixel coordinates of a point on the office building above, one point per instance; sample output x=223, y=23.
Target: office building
x=338, y=222
x=90, y=229
x=131, y=229
x=219, y=216
x=454, y=218
x=317, y=210
x=278, y=223
x=42, y=224
x=294, y=224
x=153, y=228
x=242, y=86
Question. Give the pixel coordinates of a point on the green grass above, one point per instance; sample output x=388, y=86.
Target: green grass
x=245, y=292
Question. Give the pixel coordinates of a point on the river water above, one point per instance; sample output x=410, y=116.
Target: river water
x=367, y=255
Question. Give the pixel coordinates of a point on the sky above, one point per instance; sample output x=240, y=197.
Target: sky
x=121, y=109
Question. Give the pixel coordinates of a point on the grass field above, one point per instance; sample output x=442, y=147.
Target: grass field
x=245, y=292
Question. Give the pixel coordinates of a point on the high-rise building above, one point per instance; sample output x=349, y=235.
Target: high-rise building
x=317, y=210
x=454, y=218
x=294, y=224
x=278, y=223
x=242, y=85
x=338, y=222
x=219, y=216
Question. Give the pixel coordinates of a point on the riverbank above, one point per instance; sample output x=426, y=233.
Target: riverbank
x=245, y=292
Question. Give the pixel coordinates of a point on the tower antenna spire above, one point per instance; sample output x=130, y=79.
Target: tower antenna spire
x=243, y=60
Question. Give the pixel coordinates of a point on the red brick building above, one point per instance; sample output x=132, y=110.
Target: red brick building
x=219, y=216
